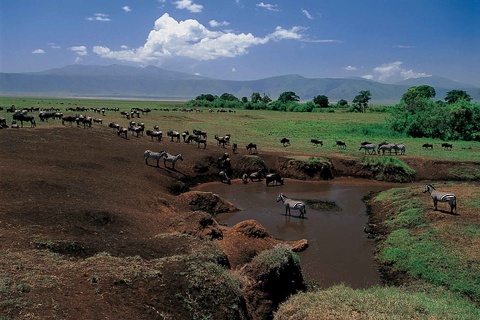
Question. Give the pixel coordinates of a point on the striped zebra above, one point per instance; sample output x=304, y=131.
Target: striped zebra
x=154, y=155
x=167, y=157
x=439, y=196
x=292, y=204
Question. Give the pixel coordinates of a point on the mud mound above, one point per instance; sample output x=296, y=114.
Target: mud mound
x=251, y=229
x=201, y=225
x=207, y=201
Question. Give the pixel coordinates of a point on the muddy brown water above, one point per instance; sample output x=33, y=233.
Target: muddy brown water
x=339, y=250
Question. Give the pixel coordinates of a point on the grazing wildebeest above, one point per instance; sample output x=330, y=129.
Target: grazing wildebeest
x=317, y=142
x=275, y=178
x=252, y=148
x=427, y=146
x=21, y=116
x=447, y=146
x=341, y=144
x=234, y=148
x=285, y=142
x=122, y=131
x=155, y=134
x=438, y=196
x=173, y=134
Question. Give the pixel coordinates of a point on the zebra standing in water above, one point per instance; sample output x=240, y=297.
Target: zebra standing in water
x=439, y=196
x=292, y=204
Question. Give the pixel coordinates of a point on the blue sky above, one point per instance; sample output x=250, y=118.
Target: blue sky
x=382, y=40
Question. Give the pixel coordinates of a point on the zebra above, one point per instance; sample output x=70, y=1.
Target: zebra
x=399, y=148
x=167, y=157
x=370, y=148
x=292, y=204
x=386, y=147
x=442, y=197
x=154, y=155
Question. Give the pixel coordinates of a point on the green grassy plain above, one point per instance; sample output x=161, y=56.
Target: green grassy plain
x=265, y=128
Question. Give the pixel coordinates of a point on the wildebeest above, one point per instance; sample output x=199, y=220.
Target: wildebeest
x=447, y=146
x=251, y=148
x=317, y=142
x=21, y=116
x=341, y=144
x=285, y=142
x=224, y=177
x=275, y=178
x=173, y=134
x=257, y=175
x=427, y=146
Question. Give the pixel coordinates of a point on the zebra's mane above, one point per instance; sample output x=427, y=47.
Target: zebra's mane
x=431, y=186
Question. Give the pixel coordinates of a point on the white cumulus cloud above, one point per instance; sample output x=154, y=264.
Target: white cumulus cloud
x=38, y=51
x=368, y=77
x=214, y=23
x=79, y=50
x=394, y=69
x=189, y=5
x=191, y=39
x=99, y=17
x=350, y=68
x=126, y=8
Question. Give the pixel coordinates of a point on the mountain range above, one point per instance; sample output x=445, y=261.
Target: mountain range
x=119, y=81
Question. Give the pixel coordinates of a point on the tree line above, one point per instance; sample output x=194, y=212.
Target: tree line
x=287, y=101
x=418, y=114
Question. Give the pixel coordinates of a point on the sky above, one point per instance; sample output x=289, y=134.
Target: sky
x=382, y=40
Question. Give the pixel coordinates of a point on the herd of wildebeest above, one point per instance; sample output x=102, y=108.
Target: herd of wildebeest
x=199, y=138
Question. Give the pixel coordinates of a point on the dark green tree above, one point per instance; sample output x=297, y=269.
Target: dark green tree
x=208, y=97
x=228, y=97
x=244, y=99
x=288, y=96
x=256, y=97
x=415, y=92
x=361, y=100
x=321, y=101
x=457, y=95
x=266, y=99
x=342, y=103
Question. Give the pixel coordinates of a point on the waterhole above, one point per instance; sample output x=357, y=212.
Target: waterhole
x=339, y=250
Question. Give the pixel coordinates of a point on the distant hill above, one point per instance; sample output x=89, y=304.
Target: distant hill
x=118, y=81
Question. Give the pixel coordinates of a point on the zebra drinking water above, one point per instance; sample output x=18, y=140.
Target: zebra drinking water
x=292, y=204
x=439, y=196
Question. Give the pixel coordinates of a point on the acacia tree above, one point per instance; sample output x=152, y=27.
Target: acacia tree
x=321, y=101
x=255, y=97
x=288, y=96
x=457, y=95
x=361, y=100
x=414, y=97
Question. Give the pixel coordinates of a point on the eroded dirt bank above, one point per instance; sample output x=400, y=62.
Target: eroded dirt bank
x=86, y=225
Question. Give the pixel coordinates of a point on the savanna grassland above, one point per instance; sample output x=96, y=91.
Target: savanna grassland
x=89, y=231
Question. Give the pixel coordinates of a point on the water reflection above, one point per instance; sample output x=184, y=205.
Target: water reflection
x=339, y=251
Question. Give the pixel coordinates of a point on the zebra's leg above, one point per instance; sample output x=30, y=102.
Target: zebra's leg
x=435, y=201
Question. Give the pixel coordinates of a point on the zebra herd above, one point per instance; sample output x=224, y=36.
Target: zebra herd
x=167, y=157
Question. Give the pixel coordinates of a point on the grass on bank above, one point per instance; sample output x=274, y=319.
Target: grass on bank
x=427, y=247
x=265, y=128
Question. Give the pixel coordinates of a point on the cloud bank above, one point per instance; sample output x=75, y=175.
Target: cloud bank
x=191, y=39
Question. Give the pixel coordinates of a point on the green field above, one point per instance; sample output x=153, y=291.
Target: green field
x=265, y=128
